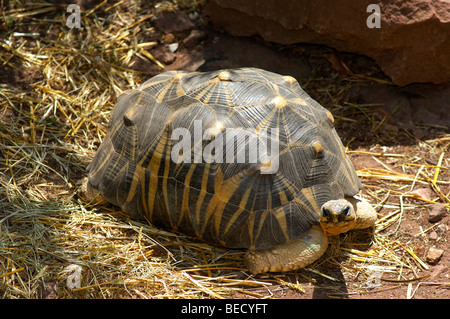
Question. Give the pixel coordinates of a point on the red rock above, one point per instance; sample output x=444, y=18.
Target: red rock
x=437, y=212
x=422, y=193
x=433, y=255
x=411, y=45
x=433, y=236
x=169, y=38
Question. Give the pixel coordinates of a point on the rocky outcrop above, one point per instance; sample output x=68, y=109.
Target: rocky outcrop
x=412, y=43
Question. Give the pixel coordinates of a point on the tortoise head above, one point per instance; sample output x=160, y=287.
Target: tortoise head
x=337, y=216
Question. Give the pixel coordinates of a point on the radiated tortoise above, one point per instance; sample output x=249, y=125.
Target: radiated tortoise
x=242, y=158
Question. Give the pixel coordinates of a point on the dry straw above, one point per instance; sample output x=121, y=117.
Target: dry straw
x=54, y=112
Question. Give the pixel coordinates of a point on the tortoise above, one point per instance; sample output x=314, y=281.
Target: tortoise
x=173, y=155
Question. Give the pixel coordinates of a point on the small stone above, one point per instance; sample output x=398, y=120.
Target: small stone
x=422, y=193
x=193, y=16
x=167, y=58
x=436, y=213
x=438, y=271
x=194, y=38
x=433, y=236
x=173, y=47
x=433, y=255
x=169, y=38
x=420, y=250
x=49, y=291
x=163, y=54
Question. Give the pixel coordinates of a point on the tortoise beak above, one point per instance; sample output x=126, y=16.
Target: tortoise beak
x=337, y=212
x=337, y=216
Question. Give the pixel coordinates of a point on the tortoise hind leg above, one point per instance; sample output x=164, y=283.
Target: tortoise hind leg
x=90, y=194
x=294, y=255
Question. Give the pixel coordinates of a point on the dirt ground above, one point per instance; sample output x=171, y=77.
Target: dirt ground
x=397, y=137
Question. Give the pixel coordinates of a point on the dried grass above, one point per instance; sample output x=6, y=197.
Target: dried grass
x=50, y=130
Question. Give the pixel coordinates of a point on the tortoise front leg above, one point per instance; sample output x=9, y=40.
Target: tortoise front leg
x=294, y=255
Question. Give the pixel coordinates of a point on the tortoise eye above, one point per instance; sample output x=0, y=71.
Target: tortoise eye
x=326, y=212
x=346, y=211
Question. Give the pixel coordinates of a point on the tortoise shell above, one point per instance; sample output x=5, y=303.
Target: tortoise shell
x=180, y=152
